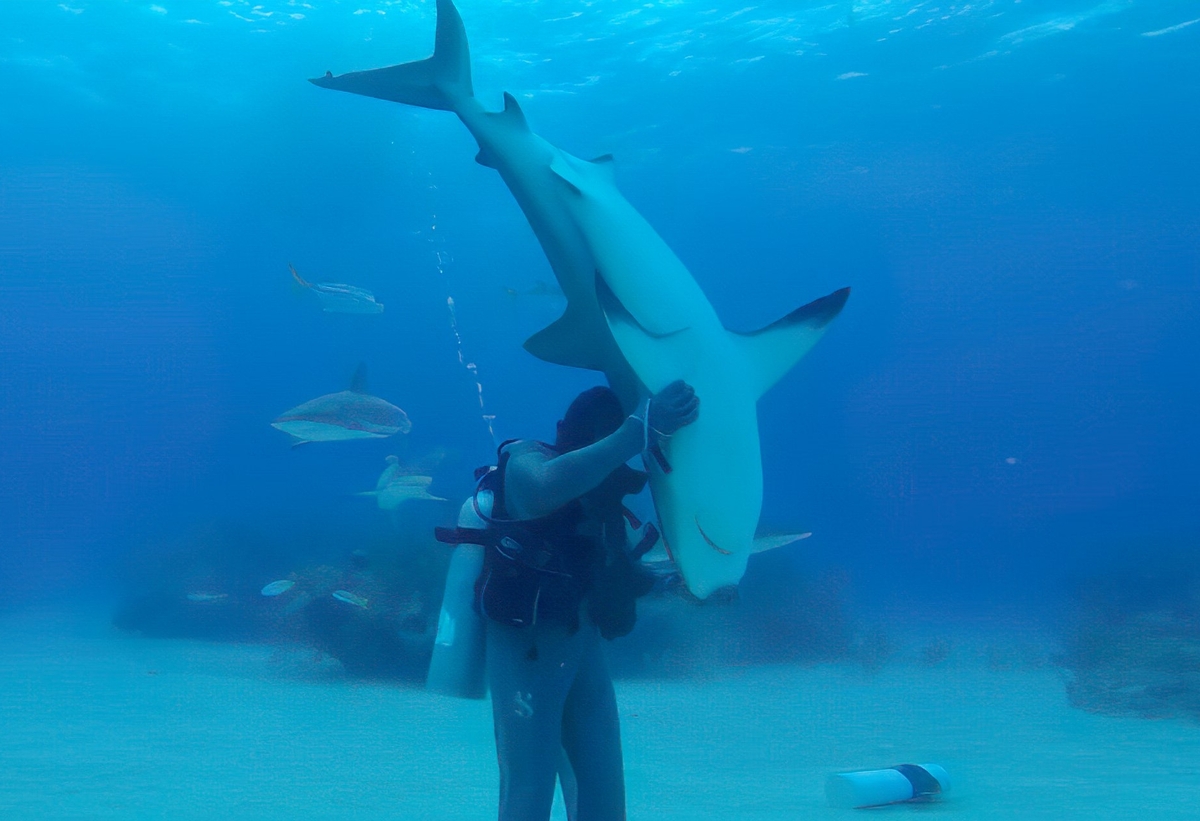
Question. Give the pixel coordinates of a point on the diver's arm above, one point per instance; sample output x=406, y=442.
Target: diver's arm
x=537, y=484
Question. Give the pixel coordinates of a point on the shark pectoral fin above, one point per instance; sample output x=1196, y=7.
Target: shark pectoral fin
x=764, y=543
x=568, y=340
x=771, y=352
x=440, y=81
x=656, y=359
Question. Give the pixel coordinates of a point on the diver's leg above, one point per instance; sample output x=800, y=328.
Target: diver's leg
x=566, y=782
x=527, y=704
x=592, y=738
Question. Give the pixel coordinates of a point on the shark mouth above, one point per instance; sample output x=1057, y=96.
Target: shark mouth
x=710, y=542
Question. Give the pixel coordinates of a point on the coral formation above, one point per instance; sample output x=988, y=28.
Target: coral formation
x=1133, y=641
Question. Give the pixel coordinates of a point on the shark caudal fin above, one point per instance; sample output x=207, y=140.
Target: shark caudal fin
x=440, y=81
x=770, y=352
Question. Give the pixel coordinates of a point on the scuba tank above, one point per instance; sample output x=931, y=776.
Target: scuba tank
x=457, y=666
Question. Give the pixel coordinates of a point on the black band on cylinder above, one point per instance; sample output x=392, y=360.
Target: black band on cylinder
x=922, y=782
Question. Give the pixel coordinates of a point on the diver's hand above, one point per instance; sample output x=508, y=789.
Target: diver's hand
x=672, y=408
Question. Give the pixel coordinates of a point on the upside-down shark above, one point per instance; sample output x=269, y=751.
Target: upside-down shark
x=633, y=311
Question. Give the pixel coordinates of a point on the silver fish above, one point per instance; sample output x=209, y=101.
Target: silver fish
x=339, y=298
x=350, y=598
x=206, y=597
x=278, y=588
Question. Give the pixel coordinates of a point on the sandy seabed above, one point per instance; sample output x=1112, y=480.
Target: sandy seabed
x=95, y=723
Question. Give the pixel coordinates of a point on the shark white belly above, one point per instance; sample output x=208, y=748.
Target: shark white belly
x=309, y=431
x=633, y=311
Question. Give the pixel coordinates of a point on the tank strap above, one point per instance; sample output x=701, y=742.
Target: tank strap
x=648, y=541
x=464, y=535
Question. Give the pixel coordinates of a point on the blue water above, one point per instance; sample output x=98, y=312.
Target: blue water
x=1011, y=189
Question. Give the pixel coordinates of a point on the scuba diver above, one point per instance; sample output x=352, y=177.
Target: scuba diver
x=558, y=575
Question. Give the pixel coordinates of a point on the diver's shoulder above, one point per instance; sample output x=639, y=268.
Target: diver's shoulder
x=522, y=448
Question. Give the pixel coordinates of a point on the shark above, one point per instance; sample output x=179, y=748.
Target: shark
x=395, y=486
x=348, y=414
x=633, y=311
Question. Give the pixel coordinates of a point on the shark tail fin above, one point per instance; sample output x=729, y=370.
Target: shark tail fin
x=771, y=352
x=441, y=81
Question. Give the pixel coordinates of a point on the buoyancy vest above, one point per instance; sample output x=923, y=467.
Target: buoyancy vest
x=543, y=569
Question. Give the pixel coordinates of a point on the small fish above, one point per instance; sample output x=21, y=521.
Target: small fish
x=350, y=598
x=350, y=414
x=338, y=298
x=206, y=597
x=278, y=587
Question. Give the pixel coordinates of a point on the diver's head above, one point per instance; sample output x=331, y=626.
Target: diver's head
x=592, y=415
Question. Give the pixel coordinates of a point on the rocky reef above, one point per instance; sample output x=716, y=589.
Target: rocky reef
x=367, y=597
x=1132, y=644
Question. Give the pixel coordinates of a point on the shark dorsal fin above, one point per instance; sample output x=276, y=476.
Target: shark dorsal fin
x=512, y=113
x=567, y=341
x=358, y=382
